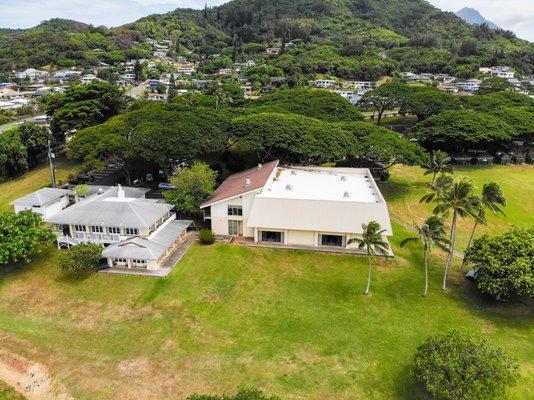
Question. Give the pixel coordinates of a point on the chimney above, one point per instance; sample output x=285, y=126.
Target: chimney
x=247, y=182
x=120, y=193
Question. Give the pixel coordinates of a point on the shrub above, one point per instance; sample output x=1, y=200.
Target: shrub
x=242, y=394
x=206, y=237
x=81, y=258
x=460, y=365
x=504, y=263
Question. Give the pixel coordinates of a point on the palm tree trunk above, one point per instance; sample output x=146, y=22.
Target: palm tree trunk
x=469, y=243
x=451, y=249
x=433, y=179
x=369, y=275
x=425, y=293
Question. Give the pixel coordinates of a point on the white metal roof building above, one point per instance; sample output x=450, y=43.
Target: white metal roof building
x=139, y=232
x=300, y=206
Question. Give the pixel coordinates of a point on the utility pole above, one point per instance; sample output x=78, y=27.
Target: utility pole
x=50, y=163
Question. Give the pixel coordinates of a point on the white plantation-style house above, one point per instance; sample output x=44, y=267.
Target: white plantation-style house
x=293, y=206
x=136, y=232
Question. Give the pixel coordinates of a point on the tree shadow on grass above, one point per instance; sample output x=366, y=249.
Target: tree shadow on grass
x=74, y=278
x=398, y=190
x=508, y=312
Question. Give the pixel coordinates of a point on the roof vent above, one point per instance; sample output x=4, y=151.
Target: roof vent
x=289, y=187
x=100, y=190
x=346, y=195
x=247, y=182
x=343, y=178
x=260, y=166
x=293, y=172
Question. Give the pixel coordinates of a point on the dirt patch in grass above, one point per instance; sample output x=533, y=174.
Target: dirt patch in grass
x=133, y=368
x=29, y=378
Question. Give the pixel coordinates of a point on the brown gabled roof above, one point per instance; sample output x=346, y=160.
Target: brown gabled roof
x=235, y=185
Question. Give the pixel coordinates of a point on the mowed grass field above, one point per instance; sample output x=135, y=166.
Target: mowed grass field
x=408, y=184
x=292, y=323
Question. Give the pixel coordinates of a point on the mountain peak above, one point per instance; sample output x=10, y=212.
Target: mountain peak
x=473, y=17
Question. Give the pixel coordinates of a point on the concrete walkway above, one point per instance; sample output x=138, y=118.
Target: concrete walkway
x=319, y=249
x=165, y=269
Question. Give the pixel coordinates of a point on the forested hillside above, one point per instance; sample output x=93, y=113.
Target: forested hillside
x=357, y=38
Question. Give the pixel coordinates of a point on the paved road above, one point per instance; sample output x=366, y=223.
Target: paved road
x=137, y=91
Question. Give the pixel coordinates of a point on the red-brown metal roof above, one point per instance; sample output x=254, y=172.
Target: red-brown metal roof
x=236, y=184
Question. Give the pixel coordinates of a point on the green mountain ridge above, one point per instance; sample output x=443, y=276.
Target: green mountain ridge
x=356, y=35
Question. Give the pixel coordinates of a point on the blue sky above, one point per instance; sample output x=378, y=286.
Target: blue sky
x=516, y=15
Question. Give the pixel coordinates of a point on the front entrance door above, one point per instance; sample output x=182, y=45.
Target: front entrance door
x=235, y=228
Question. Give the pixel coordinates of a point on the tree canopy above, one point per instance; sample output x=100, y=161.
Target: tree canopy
x=461, y=365
x=375, y=142
x=424, y=102
x=291, y=137
x=463, y=127
x=191, y=186
x=21, y=235
x=504, y=263
x=315, y=103
x=81, y=106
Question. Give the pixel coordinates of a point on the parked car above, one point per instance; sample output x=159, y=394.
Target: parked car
x=165, y=186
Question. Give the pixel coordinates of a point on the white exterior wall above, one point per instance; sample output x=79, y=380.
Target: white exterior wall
x=48, y=210
x=304, y=238
x=220, y=217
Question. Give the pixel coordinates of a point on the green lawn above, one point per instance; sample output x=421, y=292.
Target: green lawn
x=407, y=185
x=290, y=322
x=8, y=393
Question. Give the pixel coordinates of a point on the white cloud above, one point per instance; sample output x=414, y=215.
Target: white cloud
x=516, y=15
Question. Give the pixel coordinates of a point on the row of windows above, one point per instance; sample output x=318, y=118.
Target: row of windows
x=112, y=229
x=235, y=211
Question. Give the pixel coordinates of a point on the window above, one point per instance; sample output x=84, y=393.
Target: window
x=120, y=260
x=235, y=228
x=79, y=228
x=97, y=229
x=132, y=231
x=139, y=263
x=275, y=237
x=114, y=229
x=333, y=240
x=235, y=211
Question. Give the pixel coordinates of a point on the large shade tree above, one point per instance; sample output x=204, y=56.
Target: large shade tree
x=291, y=137
x=21, y=235
x=81, y=106
x=462, y=365
x=424, y=102
x=374, y=142
x=389, y=96
x=315, y=103
x=504, y=263
x=461, y=128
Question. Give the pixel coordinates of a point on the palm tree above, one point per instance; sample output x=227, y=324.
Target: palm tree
x=373, y=240
x=439, y=163
x=458, y=198
x=492, y=199
x=431, y=233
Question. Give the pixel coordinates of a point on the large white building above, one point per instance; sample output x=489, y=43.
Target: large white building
x=312, y=207
x=135, y=232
